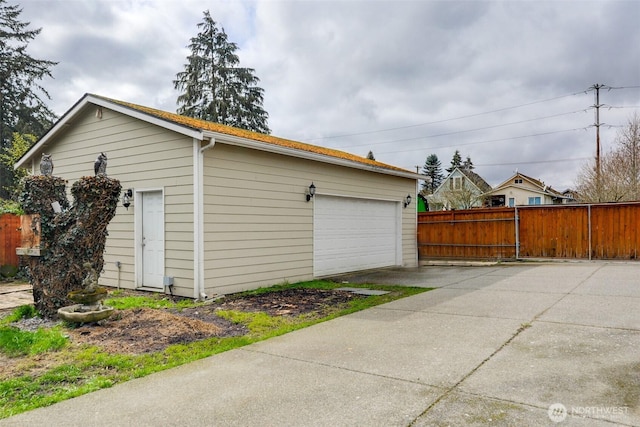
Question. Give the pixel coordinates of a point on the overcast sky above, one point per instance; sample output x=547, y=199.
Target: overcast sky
x=505, y=82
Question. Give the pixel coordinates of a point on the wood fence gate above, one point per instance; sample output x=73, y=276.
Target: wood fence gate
x=9, y=239
x=595, y=231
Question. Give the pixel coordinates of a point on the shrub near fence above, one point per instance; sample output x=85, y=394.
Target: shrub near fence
x=599, y=231
x=9, y=239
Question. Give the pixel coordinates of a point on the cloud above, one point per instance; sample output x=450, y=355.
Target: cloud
x=401, y=78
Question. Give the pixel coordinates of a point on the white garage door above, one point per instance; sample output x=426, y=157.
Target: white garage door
x=354, y=234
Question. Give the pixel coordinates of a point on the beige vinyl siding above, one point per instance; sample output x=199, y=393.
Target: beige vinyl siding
x=141, y=156
x=258, y=226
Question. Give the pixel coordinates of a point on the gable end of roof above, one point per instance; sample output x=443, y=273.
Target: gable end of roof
x=202, y=129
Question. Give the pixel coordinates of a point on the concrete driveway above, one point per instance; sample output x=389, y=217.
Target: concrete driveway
x=514, y=345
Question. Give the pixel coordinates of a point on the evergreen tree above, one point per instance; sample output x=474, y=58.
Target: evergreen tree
x=9, y=155
x=22, y=109
x=214, y=87
x=433, y=169
x=456, y=161
x=370, y=156
x=468, y=164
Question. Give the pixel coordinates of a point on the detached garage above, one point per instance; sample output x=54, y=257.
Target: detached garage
x=215, y=209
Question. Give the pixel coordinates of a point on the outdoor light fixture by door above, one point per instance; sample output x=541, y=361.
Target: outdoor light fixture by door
x=312, y=192
x=407, y=200
x=126, y=198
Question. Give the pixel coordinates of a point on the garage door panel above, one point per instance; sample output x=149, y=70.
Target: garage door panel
x=354, y=234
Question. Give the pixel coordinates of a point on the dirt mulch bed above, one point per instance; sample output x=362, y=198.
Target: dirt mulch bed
x=145, y=330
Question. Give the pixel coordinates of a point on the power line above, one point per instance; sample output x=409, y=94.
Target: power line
x=609, y=107
x=484, y=142
x=449, y=120
x=476, y=114
x=621, y=87
x=467, y=130
x=596, y=107
x=574, y=159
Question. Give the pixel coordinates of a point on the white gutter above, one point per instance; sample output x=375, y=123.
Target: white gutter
x=309, y=155
x=198, y=217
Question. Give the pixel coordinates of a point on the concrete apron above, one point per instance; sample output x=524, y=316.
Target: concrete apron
x=543, y=344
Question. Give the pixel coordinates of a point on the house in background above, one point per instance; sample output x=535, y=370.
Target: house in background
x=217, y=210
x=571, y=195
x=522, y=190
x=461, y=189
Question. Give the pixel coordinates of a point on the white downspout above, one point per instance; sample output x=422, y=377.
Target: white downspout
x=198, y=217
x=415, y=224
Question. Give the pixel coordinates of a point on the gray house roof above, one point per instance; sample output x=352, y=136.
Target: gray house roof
x=477, y=180
x=473, y=177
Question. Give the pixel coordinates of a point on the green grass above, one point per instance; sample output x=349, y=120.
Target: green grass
x=14, y=342
x=71, y=371
x=22, y=312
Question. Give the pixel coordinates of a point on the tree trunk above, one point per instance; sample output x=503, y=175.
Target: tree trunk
x=69, y=238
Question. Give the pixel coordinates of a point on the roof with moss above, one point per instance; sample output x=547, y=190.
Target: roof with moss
x=203, y=125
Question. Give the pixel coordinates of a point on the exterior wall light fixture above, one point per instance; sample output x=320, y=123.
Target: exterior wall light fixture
x=312, y=192
x=126, y=198
x=407, y=200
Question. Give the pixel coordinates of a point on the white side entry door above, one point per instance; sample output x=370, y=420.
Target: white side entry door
x=151, y=239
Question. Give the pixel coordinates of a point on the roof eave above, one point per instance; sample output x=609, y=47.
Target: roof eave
x=293, y=152
x=100, y=102
x=200, y=134
x=55, y=129
x=140, y=115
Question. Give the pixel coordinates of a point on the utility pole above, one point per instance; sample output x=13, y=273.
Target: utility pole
x=596, y=87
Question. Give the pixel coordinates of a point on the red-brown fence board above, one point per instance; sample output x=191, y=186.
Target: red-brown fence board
x=614, y=232
x=475, y=233
x=602, y=231
x=554, y=231
x=9, y=238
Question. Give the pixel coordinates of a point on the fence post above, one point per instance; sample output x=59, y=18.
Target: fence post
x=517, y=222
x=589, y=225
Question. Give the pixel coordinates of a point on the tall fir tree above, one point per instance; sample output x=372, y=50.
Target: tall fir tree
x=22, y=108
x=456, y=161
x=9, y=155
x=213, y=85
x=433, y=169
x=468, y=164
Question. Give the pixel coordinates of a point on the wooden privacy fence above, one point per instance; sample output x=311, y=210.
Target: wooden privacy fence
x=10, y=238
x=473, y=233
x=598, y=231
